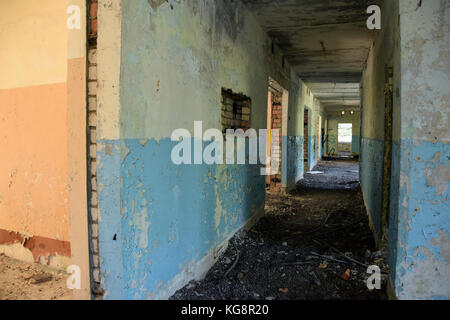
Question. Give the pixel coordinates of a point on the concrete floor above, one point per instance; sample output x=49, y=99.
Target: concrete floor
x=302, y=246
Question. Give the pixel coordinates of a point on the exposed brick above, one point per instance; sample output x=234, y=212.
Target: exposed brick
x=93, y=135
x=93, y=9
x=94, y=230
x=93, y=168
x=228, y=101
x=94, y=183
x=92, y=73
x=93, y=151
x=96, y=261
x=92, y=103
x=94, y=214
x=94, y=25
x=228, y=115
x=94, y=245
x=235, y=111
x=92, y=119
x=96, y=274
x=246, y=110
x=94, y=201
x=92, y=56
x=92, y=88
x=92, y=122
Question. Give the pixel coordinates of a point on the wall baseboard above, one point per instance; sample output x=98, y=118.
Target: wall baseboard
x=390, y=290
x=371, y=224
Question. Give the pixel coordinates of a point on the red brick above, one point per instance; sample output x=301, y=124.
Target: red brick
x=94, y=26
x=93, y=10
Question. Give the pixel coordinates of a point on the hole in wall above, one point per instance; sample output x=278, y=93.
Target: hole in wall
x=236, y=111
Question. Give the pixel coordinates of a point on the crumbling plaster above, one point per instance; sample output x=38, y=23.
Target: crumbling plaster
x=422, y=265
x=157, y=221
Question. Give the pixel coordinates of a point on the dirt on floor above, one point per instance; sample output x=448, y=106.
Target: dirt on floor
x=25, y=281
x=314, y=243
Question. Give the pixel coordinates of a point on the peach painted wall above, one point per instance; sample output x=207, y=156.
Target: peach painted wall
x=33, y=119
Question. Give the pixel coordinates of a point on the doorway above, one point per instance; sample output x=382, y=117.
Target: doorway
x=388, y=109
x=277, y=107
x=319, y=138
x=345, y=139
x=306, y=139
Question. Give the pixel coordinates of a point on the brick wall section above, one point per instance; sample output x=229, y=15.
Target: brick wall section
x=92, y=25
x=92, y=143
x=236, y=110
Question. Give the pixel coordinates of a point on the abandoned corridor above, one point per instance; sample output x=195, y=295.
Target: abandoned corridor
x=94, y=94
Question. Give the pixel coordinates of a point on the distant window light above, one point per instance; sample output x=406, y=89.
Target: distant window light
x=345, y=132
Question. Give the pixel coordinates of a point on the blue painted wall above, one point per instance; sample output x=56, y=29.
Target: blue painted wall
x=356, y=144
x=171, y=215
x=420, y=211
x=160, y=221
x=299, y=99
x=394, y=210
x=371, y=177
x=419, y=214
x=295, y=165
x=313, y=153
x=419, y=242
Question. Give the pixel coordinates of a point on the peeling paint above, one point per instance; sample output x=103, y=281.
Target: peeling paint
x=156, y=3
x=438, y=176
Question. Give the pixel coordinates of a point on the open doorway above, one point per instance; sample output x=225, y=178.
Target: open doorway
x=319, y=138
x=387, y=167
x=306, y=139
x=276, y=120
x=345, y=139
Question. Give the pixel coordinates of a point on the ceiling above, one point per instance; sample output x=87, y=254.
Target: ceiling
x=334, y=95
x=326, y=42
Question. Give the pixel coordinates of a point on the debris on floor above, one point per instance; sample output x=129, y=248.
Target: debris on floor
x=313, y=243
x=25, y=281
